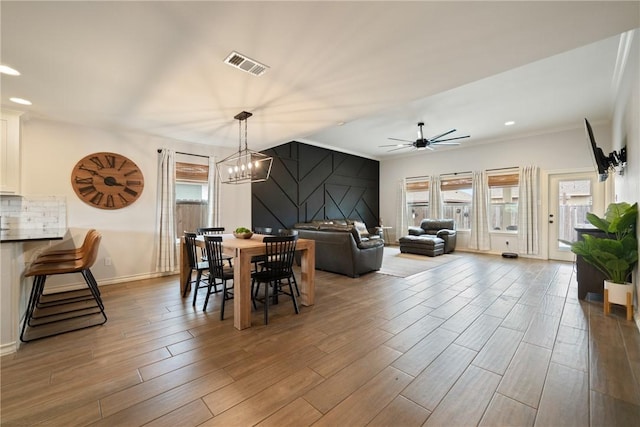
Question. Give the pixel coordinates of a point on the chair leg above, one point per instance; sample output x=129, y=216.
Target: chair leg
x=254, y=293
x=295, y=282
x=212, y=284
x=266, y=303
x=196, y=286
x=186, y=284
x=225, y=297
x=293, y=297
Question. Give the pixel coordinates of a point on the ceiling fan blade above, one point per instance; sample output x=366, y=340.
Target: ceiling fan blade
x=396, y=145
x=399, y=148
x=403, y=140
x=450, y=139
x=442, y=134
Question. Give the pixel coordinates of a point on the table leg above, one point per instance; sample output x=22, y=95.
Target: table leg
x=184, y=267
x=307, y=279
x=242, y=290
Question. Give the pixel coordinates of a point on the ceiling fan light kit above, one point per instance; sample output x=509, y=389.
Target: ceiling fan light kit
x=425, y=143
x=245, y=166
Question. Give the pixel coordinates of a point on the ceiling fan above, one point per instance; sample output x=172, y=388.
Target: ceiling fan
x=421, y=143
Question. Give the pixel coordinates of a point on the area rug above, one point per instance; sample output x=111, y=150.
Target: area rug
x=395, y=263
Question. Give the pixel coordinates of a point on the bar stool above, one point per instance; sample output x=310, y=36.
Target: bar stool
x=62, y=307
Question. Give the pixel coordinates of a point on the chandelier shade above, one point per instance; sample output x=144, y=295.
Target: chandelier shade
x=245, y=166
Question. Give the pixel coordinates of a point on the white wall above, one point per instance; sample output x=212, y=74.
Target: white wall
x=553, y=152
x=626, y=131
x=51, y=149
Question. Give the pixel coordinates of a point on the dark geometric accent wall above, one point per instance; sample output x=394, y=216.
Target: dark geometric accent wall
x=309, y=182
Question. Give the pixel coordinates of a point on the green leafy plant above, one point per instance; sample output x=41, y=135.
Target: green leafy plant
x=616, y=255
x=242, y=230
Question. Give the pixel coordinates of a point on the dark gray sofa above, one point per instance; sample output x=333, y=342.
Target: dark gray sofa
x=434, y=237
x=344, y=246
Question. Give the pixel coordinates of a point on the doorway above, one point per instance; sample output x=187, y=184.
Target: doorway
x=571, y=196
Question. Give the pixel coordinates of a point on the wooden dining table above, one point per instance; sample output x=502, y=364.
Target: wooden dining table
x=242, y=250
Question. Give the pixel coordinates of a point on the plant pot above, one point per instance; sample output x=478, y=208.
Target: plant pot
x=618, y=293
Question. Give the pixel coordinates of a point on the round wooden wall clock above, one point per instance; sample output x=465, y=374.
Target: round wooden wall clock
x=107, y=180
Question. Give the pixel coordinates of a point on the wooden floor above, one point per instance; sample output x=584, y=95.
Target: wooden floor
x=478, y=341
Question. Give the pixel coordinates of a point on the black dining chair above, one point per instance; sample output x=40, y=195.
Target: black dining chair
x=195, y=264
x=256, y=260
x=277, y=267
x=290, y=232
x=208, y=231
x=217, y=271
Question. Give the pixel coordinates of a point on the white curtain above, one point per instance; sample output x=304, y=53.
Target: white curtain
x=435, y=198
x=166, y=207
x=401, y=215
x=479, y=238
x=213, y=208
x=528, y=210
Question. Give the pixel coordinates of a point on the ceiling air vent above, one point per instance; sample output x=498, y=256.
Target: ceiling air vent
x=246, y=64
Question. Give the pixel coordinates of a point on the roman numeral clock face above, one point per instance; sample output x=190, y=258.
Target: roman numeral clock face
x=107, y=180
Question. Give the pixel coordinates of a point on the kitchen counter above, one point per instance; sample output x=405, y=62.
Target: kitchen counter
x=31, y=234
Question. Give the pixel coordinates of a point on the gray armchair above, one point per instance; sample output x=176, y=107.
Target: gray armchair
x=442, y=228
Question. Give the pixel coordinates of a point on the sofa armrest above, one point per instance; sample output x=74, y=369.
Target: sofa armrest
x=415, y=231
x=376, y=231
x=445, y=232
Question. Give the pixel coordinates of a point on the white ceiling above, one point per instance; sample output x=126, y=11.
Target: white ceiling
x=379, y=67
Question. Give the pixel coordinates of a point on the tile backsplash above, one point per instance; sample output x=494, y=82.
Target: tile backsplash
x=33, y=212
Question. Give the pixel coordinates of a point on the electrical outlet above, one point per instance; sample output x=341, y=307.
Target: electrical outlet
x=107, y=261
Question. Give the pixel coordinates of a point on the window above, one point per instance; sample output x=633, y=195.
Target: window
x=192, y=194
x=417, y=200
x=456, y=194
x=456, y=200
x=503, y=204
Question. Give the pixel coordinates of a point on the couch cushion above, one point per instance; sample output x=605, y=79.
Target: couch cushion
x=370, y=243
x=361, y=228
x=425, y=240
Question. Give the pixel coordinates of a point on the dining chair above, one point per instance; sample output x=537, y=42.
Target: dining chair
x=207, y=231
x=63, y=307
x=290, y=232
x=195, y=264
x=256, y=260
x=277, y=267
x=217, y=271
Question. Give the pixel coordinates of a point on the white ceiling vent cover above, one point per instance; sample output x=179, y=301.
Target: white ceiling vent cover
x=246, y=64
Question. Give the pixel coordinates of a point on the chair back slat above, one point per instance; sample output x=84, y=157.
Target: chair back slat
x=263, y=230
x=191, y=248
x=210, y=230
x=213, y=245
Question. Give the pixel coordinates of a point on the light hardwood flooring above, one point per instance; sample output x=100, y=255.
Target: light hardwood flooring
x=480, y=340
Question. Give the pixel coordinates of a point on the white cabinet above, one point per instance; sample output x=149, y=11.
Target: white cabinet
x=12, y=264
x=9, y=152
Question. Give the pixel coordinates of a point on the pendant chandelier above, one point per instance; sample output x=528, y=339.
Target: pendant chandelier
x=245, y=165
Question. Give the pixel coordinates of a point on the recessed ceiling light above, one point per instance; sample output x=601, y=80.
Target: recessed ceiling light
x=4, y=69
x=509, y=123
x=20, y=101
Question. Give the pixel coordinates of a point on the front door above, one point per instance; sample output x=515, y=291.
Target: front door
x=571, y=196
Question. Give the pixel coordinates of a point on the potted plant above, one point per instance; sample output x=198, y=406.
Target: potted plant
x=616, y=255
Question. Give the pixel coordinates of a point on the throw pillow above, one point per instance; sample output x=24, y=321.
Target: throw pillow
x=362, y=228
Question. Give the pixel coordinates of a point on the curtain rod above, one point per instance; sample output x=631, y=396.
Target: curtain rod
x=486, y=170
x=186, y=154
